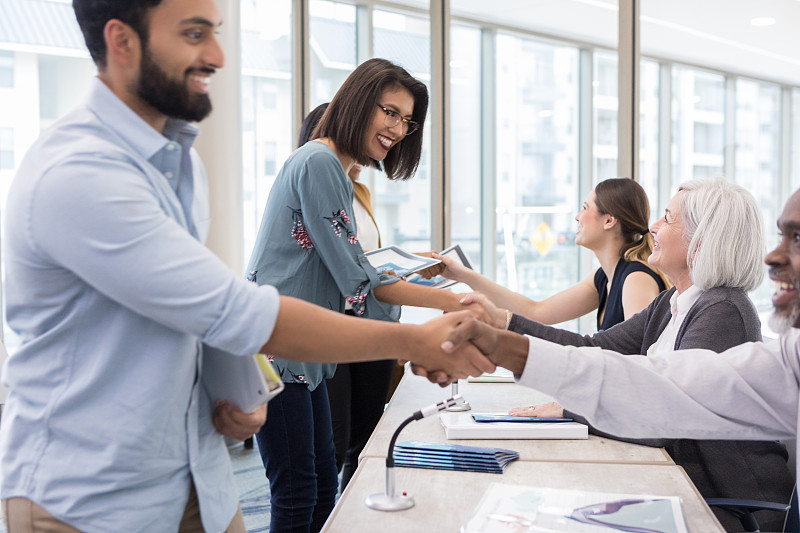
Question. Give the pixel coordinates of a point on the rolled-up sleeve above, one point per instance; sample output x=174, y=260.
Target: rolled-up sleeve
x=326, y=214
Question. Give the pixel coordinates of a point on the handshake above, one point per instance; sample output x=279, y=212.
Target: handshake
x=467, y=343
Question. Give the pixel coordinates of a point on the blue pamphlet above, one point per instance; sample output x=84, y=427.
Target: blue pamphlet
x=509, y=418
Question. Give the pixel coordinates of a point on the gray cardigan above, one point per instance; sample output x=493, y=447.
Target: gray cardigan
x=720, y=319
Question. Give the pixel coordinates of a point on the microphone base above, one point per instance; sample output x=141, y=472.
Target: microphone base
x=460, y=407
x=385, y=502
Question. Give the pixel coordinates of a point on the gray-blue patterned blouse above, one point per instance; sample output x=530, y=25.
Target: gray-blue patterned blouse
x=307, y=248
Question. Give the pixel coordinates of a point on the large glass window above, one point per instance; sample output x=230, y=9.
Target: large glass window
x=267, y=138
x=537, y=165
x=6, y=68
x=795, y=177
x=6, y=148
x=465, y=140
x=605, y=108
x=649, y=124
x=757, y=157
x=332, y=40
x=698, y=124
x=403, y=208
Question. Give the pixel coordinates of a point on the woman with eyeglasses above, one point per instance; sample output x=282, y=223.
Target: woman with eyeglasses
x=307, y=247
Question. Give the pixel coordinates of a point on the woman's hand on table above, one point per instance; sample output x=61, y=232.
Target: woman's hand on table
x=545, y=410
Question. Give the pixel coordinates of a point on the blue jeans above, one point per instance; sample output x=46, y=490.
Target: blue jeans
x=297, y=450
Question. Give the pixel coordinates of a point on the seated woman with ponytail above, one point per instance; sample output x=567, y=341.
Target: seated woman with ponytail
x=614, y=225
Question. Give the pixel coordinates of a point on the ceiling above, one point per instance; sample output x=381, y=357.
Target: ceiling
x=715, y=34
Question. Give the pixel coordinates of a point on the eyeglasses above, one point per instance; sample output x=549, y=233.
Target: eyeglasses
x=393, y=118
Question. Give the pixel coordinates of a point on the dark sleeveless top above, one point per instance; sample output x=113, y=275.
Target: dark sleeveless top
x=612, y=302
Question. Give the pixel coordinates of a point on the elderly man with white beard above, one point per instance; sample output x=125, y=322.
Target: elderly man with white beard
x=749, y=392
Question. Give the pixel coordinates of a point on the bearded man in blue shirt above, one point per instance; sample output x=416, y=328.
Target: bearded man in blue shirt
x=107, y=427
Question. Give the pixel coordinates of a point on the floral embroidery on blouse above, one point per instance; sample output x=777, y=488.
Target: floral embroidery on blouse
x=282, y=372
x=340, y=220
x=299, y=231
x=357, y=301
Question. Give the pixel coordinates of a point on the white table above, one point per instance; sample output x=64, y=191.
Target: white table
x=445, y=500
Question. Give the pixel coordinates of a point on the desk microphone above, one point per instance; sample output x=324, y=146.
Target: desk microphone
x=389, y=500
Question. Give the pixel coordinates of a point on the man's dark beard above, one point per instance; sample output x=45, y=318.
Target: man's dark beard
x=168, y=96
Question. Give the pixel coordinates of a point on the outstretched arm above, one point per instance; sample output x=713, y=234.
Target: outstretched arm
x=571, y=303
x=688, y=393
x=306, y=332
x=404, y=293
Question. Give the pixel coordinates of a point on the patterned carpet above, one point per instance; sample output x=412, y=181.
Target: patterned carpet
x=253, y=487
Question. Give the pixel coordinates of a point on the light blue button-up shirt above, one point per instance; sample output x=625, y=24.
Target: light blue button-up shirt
x=113, y=293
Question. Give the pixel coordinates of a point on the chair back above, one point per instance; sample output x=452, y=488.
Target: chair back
x=792, y=523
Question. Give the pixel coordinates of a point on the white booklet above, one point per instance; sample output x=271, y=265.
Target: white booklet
x=462, y=425
x=505, y=508
x=500, y=375
x=402, y=263
x=246, y=382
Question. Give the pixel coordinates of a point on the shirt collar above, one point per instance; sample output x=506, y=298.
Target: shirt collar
x=131, y=128
x=681, y=303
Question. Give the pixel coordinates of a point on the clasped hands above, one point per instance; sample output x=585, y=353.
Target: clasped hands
x=469, y=342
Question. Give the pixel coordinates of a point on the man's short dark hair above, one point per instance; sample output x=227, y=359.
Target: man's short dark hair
x=93, y=15
x=352, y=108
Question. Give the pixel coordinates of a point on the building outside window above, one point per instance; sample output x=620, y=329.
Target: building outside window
x=6, y=149
x=267, y=138
x=698, y=118
x=537, y=165
x=649, y=131
x=403, y=208
x=605, y=108
x=466, y=136
x=6, y=68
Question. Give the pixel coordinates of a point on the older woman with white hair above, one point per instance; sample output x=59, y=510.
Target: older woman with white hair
x=710, y=243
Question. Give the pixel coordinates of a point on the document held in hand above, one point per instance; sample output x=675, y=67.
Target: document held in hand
x=441, y=282
x=247, y=382
x=402, y=263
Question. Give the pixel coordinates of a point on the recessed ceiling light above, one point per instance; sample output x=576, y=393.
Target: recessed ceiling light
x=762, y=21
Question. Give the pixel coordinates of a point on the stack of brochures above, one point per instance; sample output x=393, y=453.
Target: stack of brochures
x=506, y=508
x=420, y=454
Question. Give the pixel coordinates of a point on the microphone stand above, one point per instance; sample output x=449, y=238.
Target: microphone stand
x=462, y=406
x=390, y=500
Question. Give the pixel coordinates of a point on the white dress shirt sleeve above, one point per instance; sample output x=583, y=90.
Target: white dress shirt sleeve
x=749, y=392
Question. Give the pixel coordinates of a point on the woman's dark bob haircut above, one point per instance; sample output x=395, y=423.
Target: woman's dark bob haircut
x=352, y=110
